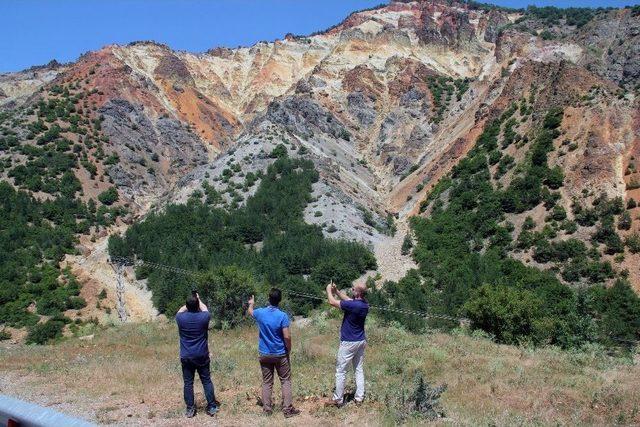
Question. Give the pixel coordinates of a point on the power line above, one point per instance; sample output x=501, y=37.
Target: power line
x=123, y=261
x=194, y=274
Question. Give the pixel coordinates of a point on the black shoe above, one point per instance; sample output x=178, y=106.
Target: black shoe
x=267, y=413
x=212, y=410
x=333, y=404
x=291, y=413
x=190, y=412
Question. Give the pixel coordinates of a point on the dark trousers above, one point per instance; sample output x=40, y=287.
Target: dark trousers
x=189, y=368
x=282, y=366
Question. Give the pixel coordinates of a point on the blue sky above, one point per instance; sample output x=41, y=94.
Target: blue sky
x=35, y=31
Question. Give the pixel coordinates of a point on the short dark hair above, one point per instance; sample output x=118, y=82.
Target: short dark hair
x=275, y=296
x=193, y=305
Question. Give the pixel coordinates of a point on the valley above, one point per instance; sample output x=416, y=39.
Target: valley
x=462, y=159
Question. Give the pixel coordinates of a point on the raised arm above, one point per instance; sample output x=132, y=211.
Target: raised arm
x=343, y=295
x=250, y=309
x=202, y=306
x=332, y=299
x=182, y=309
x=286, y=334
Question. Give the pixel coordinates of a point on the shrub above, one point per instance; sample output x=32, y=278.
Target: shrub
x=108, y=197
x=620, y=308
x=558, y=213
x=569, y=227
x=5, y=335
x=42, y=333
x=528, y=224
x=558, y=251
x=225, y=290
x=631, y=203
x=553, y=118
x=505, y=312
x=633, y=184
x=423, y=400
x=278, y=152
x=624, y=222
x=407, y=244
x=76, y=303
x=547, y=35
x=633, y=243
x=554, y=178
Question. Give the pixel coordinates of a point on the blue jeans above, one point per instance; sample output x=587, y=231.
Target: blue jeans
x=189, y=368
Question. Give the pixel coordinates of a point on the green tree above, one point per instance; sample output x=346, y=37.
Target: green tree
x=225, y=290
x=506, y=312
x=109, y=196
x=42, y=333
x=407, y=245
x=624, y=222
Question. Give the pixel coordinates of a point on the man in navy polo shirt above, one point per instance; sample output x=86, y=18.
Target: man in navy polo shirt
x=352, y=339
x=193, y=327
x=274, y=347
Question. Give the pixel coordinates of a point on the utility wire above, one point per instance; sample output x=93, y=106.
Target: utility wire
x=194, y=274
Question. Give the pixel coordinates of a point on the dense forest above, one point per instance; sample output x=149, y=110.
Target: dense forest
x=34, y=237
x=465, y=250
x=43, y=149
x=244, y=250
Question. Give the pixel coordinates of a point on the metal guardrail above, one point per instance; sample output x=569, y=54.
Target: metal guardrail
x=18, y=413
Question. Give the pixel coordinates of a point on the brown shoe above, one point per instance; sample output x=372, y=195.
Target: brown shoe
x=291, y=413
x=333, y=403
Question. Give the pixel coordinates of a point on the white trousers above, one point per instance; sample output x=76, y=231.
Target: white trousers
x=350, y=353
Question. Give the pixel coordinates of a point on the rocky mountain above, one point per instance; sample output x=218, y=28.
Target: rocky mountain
x=385, y=103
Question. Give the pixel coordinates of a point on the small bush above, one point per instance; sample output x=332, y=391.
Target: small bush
x=631, y=203
x=279, y=151
x=633, y=184
x=424, y=399
x=108, y=197
x=42, y=333
x=624, y=222
x=633, y=243
x=225, y=290
x=407, y=244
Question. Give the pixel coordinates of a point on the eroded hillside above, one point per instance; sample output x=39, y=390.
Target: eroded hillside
x=385, y=104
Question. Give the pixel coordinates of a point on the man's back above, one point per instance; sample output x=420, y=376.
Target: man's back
x=355, y=315
x=271, y=321
x=194, y=333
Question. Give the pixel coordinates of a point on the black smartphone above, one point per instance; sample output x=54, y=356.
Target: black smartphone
x=194, y=293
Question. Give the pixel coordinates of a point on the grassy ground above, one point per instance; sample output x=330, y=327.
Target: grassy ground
x=130, y=375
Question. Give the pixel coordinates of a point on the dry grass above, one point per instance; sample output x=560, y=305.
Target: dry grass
x=130, y=375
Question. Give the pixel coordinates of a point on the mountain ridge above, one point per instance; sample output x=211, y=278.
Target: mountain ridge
x=385, y=103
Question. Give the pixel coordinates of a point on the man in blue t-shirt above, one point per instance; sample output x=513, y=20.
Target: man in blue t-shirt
x=193, y=327
x=352, y=339
x=274, y=347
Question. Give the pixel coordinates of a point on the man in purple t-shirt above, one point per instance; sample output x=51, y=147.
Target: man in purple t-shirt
x=193, y=328
x=352, y=338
